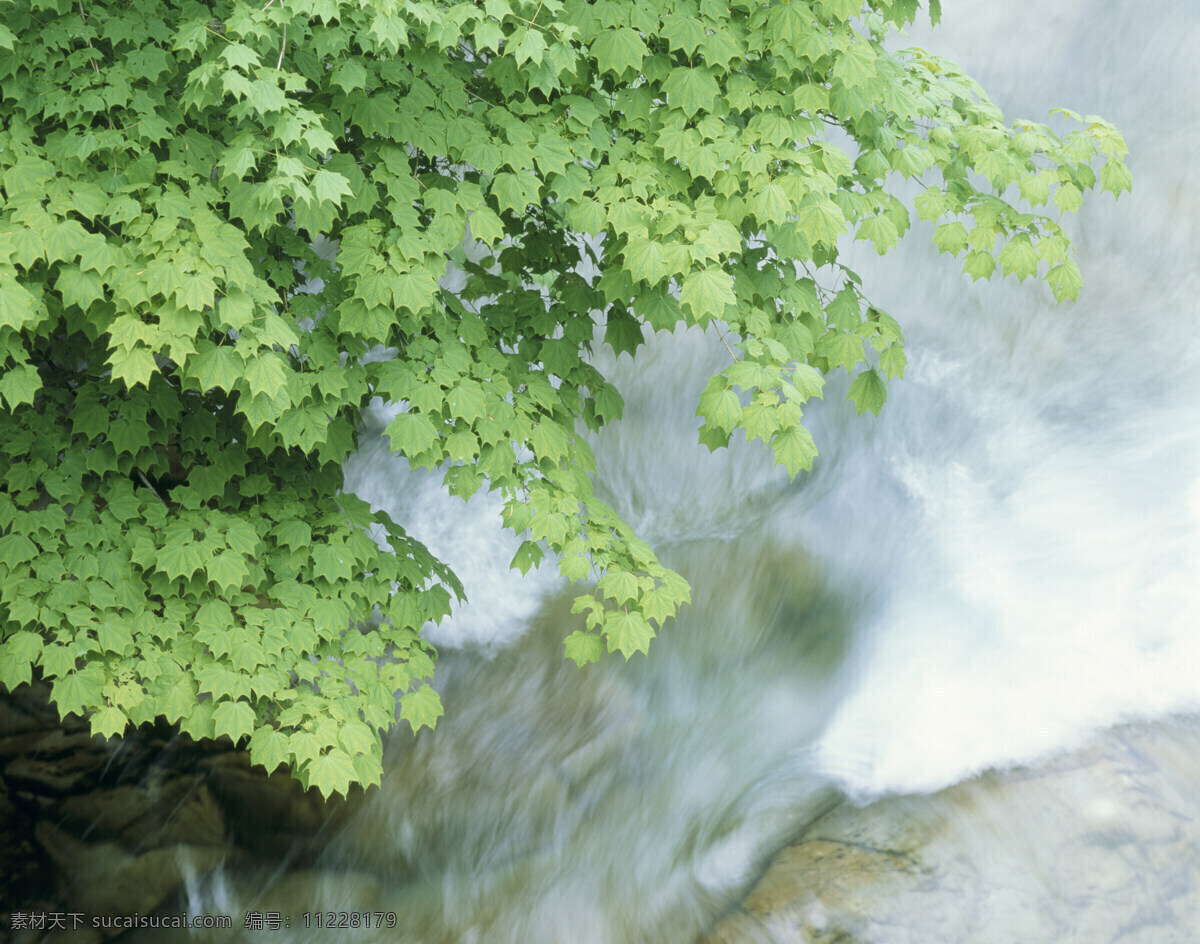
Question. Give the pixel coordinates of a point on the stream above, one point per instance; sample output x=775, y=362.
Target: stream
x=995, y=571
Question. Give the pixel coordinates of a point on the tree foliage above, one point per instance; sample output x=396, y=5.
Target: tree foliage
x=177, y=400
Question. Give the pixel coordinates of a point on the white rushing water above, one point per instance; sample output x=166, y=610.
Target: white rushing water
x=1002, y=563
x=1044, y=460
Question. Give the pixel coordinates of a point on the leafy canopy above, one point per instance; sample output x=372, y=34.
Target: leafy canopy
x=178, y=399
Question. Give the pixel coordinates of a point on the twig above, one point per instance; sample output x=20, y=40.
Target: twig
x=282, y=47
x=721, y=335
x=145, y=481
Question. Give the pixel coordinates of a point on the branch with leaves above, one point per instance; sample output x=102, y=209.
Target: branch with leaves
x=160, y=219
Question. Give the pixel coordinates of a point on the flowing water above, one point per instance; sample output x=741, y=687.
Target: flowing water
x=999, y=566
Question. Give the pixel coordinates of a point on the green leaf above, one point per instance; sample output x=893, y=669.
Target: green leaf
x=56, y=661
x=691, y=90
x=1115, y=177
x=1065, y=281
x=467, y=401
x=181, y=559
x=179, y=701
x=17, y=306
x=113, y=632
x=627, y=633
x=331, y=773
x=266, y=97
x=684, y=32
x=951, y=237
x=217, y=367
x=358, y=738
x=227, y=570
x=486, y=226
x=64, y=241
x=411, y=434
x=979, y=264
x=881, y=231
x=17, y=655
x=645, y=260
x=794, y=450
x=843, y=349
x=293, y=533
x=330, y=187
x=349, y=75
x=16, y=549
x=808, y=381
x=821, y=221
x=582, y=648
x=421, y=708
x=488, y=35
x=623, y=332
x=1019, y=258
x=109, y=722
x=527, y=45
x=19, y=385
x=893, y=361
x=528, y=555
x=720, y=406
x=269, y=748
x=77, y=287
x=1068, y=198
x=707, y=293
x=1036, y=188
x=618, y=50
x=868, y=392
x=265, y=374
x=333, y=562
x=233, y=719
x=77, y=692
x=619, y=586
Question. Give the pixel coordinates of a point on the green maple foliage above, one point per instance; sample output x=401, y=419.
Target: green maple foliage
x=178, y=398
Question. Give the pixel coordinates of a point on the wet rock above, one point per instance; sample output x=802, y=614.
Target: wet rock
x=75, y=808
x=27, y=709
x=273, y=815
x=56, y=761
x=39, y=775
x=165, y=811
x=18, y=743
x=1096, y=847
x=105, y=879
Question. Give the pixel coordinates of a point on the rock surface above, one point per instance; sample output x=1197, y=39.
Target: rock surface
x=114, y=828
x=1101, y=846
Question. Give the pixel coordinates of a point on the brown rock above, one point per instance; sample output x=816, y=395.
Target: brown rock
x=104, y=879
x=42, y=775
x=19, y=743
x=270, y=814
x=27, y=709
x=161, y=813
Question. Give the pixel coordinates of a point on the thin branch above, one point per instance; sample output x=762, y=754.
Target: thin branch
x=145, y=481
x=282, y=47
x=721, y=335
